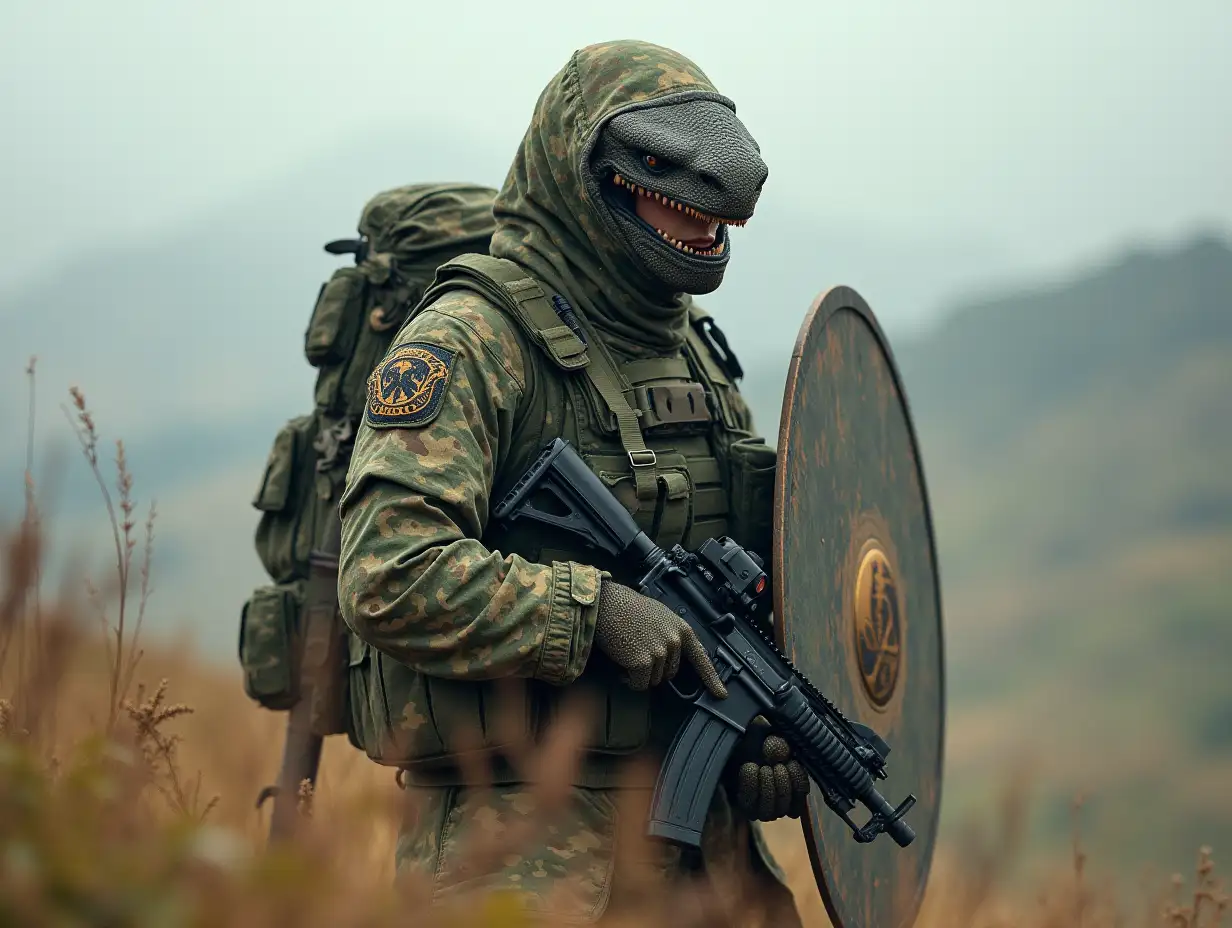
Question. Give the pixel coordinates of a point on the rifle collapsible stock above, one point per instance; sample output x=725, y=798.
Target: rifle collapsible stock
x=721, y=591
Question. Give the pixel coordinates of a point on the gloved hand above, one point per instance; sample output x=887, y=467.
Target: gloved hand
x=647, y=639
x=767, y=783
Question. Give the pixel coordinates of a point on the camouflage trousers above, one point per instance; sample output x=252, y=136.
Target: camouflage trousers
x=586, y=860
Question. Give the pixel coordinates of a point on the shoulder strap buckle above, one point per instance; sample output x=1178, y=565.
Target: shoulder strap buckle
x=643, y=457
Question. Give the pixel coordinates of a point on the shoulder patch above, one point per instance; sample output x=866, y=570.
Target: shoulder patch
x=408, y=389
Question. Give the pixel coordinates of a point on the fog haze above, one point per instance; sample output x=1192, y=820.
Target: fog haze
x=1049, y=132
x=1035, y=199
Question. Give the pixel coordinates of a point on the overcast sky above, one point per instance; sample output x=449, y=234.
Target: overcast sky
x=1054, y=128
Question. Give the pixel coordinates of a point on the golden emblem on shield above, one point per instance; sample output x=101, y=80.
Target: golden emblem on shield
x=878, y=625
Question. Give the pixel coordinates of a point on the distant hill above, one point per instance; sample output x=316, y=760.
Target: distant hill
x=1110, y=393
x=1078, y=445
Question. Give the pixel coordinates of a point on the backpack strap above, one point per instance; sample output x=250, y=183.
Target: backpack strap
x=710, y=342
x=707, y=348
x=508, y=285
x=504, y=283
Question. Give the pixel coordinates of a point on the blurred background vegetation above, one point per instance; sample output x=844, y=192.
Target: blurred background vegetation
x=1036, y=203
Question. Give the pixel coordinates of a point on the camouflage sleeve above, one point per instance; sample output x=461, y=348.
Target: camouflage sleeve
x=414, y=580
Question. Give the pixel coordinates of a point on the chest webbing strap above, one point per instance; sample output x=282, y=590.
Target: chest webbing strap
x=712, y=370
x=504, y=282
x=643, y=370
x=508, y=285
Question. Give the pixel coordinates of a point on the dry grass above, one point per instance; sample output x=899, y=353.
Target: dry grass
x=128, y=780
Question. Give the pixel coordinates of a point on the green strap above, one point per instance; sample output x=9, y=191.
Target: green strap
x=645, y=369
x=505, y=282
x=711, y=370
x=512, y=288
x=643, y=461
x=702, y=353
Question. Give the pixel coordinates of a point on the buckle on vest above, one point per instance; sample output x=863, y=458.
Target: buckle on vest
x=646, y=457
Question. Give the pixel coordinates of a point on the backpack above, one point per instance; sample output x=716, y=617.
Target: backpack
x=405, y=233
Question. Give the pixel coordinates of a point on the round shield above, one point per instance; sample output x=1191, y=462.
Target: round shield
x=856, y=595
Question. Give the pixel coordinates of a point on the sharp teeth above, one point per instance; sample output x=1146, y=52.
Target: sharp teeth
x=618, y=180
x=658, y=196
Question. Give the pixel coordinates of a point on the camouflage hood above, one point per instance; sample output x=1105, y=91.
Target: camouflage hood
x=550, y=217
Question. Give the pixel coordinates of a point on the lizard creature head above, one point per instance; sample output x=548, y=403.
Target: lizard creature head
x=674, y=179
x=625, y=189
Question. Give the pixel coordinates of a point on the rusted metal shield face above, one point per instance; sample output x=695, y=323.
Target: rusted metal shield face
x=857, y=597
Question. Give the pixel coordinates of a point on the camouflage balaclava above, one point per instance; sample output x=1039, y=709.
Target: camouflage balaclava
x=550, y=216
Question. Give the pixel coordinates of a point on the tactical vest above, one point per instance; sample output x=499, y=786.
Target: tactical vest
x=668, y=437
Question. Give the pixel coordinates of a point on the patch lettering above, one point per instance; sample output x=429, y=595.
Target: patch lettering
x=408, y=389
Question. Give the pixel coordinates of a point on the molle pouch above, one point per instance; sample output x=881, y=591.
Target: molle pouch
x=751, y=464
x=269, y=632
x=621, y=721
x=329, y=393
x=285, y=498
x=335, y=318
x=402, y=718
x=675, y=409
x=710, y=501
x=666, y=518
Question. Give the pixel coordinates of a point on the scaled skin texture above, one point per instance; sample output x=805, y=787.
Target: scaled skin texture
x=415, y=582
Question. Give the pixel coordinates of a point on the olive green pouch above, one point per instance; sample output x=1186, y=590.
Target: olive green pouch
x=751, y=464
x=286, y=531
x=269, y=628
x=336, y=318
x=403, y=718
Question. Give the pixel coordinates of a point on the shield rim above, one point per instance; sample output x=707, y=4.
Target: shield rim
x=824, y=306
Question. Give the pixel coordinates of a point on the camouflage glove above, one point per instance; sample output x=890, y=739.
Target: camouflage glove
x=766, y=782
x=647, y=639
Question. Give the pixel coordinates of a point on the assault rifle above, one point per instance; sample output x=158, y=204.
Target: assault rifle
x=720, y=591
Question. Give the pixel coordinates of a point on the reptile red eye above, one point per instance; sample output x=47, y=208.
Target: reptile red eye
x=657, y=165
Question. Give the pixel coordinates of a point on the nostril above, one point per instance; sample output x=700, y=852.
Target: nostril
x=710, y=180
